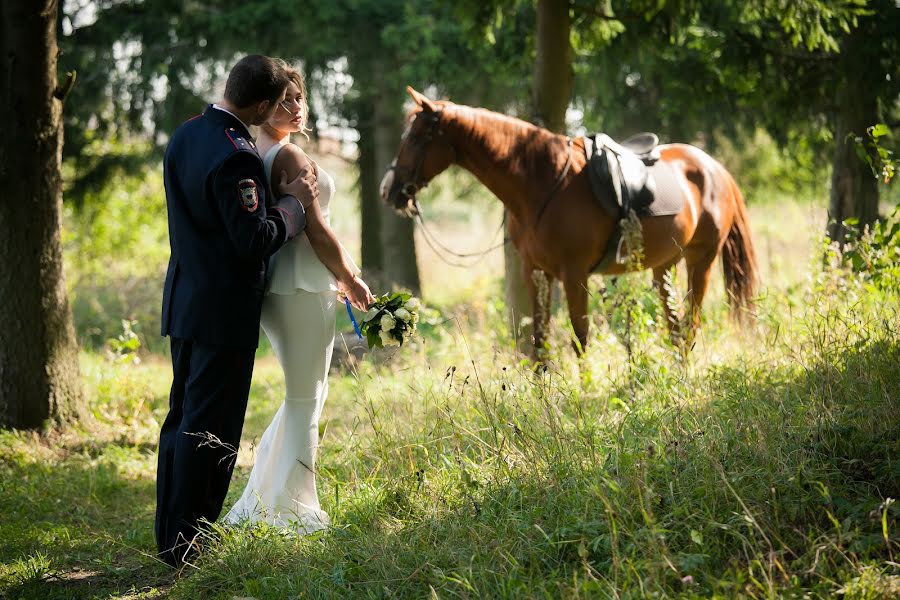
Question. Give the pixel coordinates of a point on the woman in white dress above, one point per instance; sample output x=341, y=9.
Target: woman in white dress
x=307, y=276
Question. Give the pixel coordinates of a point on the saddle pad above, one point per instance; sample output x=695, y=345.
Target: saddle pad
x=668, y=197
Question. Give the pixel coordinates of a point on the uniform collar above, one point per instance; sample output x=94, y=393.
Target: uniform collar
x=236, y=118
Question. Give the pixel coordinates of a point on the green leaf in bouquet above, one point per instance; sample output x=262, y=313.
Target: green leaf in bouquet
x=372, y=338
x=374, y=312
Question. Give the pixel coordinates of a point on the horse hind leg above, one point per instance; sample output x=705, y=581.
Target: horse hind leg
x=698, y=279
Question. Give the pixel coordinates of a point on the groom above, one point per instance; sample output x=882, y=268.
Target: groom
x=223, y=226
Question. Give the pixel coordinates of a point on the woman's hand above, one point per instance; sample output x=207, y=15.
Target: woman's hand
x=356, y=290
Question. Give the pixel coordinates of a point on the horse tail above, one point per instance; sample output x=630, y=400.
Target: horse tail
x=739, y=260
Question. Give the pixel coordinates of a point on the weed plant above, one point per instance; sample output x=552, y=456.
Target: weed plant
x=761, y=464
x=764, y=466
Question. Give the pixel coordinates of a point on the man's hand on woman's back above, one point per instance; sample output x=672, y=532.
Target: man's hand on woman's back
x=303, y=187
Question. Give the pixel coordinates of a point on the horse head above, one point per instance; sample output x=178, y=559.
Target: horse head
x=425, y=151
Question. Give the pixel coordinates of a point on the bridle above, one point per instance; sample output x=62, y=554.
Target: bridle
x=414, y=182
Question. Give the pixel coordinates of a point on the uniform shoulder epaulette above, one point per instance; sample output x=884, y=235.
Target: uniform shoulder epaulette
x=239, y=141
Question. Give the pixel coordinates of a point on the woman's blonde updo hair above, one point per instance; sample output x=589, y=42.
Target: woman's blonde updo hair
x=296, y=77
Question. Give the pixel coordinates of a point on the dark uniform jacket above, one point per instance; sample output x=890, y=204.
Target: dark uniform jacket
x=221, y=232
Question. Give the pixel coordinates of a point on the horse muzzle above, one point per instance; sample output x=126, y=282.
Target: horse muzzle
x=401, y=196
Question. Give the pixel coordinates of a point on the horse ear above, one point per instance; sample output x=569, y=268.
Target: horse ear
x=426, y=104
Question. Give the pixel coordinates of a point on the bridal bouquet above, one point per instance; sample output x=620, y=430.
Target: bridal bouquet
x=391, y=320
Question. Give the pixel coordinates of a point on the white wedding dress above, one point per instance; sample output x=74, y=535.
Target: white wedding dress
x=298, y=318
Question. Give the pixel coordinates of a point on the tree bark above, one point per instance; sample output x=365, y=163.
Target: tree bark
x=370, y=198
x=854, y=188
x=553, y=78
x=397, y=241
x=518, y=304
x=39, y=374
x=551, y=92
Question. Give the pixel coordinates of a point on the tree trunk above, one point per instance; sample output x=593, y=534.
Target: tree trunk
x=370, y=198
x=39, y=375
x=397, y=242
x=551, y=92
x=854, y=188
x=518, y=304
x=553, y=77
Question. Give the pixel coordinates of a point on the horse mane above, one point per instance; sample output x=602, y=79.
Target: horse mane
x=523, y=148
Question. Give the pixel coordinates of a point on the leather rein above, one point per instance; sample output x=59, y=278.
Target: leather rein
x=415, y=183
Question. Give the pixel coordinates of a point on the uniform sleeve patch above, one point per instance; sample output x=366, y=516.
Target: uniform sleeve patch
x=249, y=194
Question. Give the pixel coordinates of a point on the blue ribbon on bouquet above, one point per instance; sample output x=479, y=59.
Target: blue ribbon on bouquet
x=352, y=318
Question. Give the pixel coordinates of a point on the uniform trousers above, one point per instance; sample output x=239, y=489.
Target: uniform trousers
x=199, y=440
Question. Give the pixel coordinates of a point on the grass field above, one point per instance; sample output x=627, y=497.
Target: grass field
x=763, y=465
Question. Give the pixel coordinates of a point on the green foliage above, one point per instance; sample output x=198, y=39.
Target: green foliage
x=812, y=25
x=115, y=250
x=876, y=152
x=875, y=253
x=760, y=465
x=124, y=347
x=31, y=571
x=766, y=64
x=766, y=170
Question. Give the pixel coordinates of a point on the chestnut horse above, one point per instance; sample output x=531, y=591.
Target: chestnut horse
x=555, y=222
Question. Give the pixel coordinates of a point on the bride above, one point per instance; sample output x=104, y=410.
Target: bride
x=307, y=276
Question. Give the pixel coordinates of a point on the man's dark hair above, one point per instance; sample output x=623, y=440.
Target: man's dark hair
x=253, y=79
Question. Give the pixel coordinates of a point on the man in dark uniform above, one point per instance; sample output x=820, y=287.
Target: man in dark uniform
x=223, y=225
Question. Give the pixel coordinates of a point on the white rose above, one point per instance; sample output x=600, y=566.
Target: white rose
x=387, y=339
x=412, y=305
x=402, y=314
x=387, y=322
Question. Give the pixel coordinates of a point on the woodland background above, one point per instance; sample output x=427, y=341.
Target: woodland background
x=762, y=464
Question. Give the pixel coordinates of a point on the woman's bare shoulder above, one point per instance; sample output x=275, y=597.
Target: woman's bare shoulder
x=291, y=158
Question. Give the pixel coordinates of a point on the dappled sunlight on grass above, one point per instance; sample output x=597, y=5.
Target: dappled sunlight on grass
x=760, y=464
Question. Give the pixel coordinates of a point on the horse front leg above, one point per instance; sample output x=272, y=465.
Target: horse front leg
x=577, y=300
x=539, y=286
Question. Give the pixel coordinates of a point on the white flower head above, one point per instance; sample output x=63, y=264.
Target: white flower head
x=387, y=323
x=402, y=314
x=387, y=339
x=412, y=305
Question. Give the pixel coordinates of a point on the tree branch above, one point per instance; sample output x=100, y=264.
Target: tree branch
x=62, y=92
x=592, y=11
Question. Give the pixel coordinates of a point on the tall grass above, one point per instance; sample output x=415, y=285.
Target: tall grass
x=762, y=465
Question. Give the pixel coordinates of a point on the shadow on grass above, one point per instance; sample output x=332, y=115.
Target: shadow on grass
x=777, y=465
x=91, y=449
x=80, y=524
x=767, y=463
x=81, y=527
